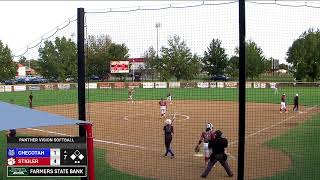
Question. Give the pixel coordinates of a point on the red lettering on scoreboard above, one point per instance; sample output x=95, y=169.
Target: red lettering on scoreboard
x=119, y=66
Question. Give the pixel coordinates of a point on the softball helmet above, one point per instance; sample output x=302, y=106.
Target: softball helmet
x=209, y=126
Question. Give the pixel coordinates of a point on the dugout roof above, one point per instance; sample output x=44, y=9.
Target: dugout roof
x=17, y=117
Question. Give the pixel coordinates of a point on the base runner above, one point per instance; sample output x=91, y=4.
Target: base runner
x=206, y=136
x=163, y=107
x=283, y=107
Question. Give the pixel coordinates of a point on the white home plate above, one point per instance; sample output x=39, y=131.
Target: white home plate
x=198, y=154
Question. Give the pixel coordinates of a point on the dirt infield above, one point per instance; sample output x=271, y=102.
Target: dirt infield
x=132, y=135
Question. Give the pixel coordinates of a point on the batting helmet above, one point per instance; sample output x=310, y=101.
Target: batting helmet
x=168, y=121
x=209, y=126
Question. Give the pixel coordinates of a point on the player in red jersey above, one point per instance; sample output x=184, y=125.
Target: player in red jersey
x=283, y=107
x=206, y=136
x=163, y=107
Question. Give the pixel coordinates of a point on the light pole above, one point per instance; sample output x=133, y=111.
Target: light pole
x=157, y=26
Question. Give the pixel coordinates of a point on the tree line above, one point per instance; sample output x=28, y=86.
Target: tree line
x=58, y=59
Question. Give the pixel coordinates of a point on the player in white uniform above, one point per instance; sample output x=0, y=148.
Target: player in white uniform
x=169, y=98
x=130, y=94
x=206, y=136
x=163, y=107
x=275, y=88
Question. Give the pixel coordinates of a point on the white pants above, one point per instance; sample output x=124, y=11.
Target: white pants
x=283, y=106
x=169, y=98
x=163, y=109
x=206, y=150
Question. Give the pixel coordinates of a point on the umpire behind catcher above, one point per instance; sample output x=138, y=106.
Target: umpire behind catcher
x=218, y=144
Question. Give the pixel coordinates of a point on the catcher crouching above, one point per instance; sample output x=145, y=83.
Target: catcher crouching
x=218, y=154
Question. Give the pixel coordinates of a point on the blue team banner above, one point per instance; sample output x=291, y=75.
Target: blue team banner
x=28, y=152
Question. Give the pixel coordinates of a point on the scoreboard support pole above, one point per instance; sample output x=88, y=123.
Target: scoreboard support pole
x=90, y=150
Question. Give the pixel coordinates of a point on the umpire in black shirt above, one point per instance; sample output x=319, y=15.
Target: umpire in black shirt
x=217, y=145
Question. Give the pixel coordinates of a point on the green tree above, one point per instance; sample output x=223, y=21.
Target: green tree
x=100, y=51
x=118, y=52
x=215, y=59
x=23, y=60
x=151, y=62
x=98, y=62
x=283, y=66
x=58, y=59
x=233, y=66
x=304, y=55
x=255, y=61
x=178, y=61
x=8, y=68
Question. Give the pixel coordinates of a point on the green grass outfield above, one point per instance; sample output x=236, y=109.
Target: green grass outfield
x=102, y=170
x=302, y=144
x=308, y=96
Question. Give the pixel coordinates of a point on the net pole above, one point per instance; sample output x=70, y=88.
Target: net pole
x=81, y=73
x=242, y=89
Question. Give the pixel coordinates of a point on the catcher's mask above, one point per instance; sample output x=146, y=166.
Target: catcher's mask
x=218, y=133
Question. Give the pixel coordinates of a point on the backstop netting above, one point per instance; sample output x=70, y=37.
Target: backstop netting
x=282, y=106
x=178, y=64
x=148, y=53
x=46, y=74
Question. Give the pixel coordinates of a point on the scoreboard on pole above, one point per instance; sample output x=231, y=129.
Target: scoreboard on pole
x=119, y=66
x=46, y=156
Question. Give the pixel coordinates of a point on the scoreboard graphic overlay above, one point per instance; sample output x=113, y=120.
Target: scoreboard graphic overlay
x=46, y=156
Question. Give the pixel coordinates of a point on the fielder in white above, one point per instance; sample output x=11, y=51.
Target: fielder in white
x=130, y=94
x=275, y=88
x=206, y=136
x=169, y=98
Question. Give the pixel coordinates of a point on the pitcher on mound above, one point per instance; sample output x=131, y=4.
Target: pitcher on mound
x=163, y=107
